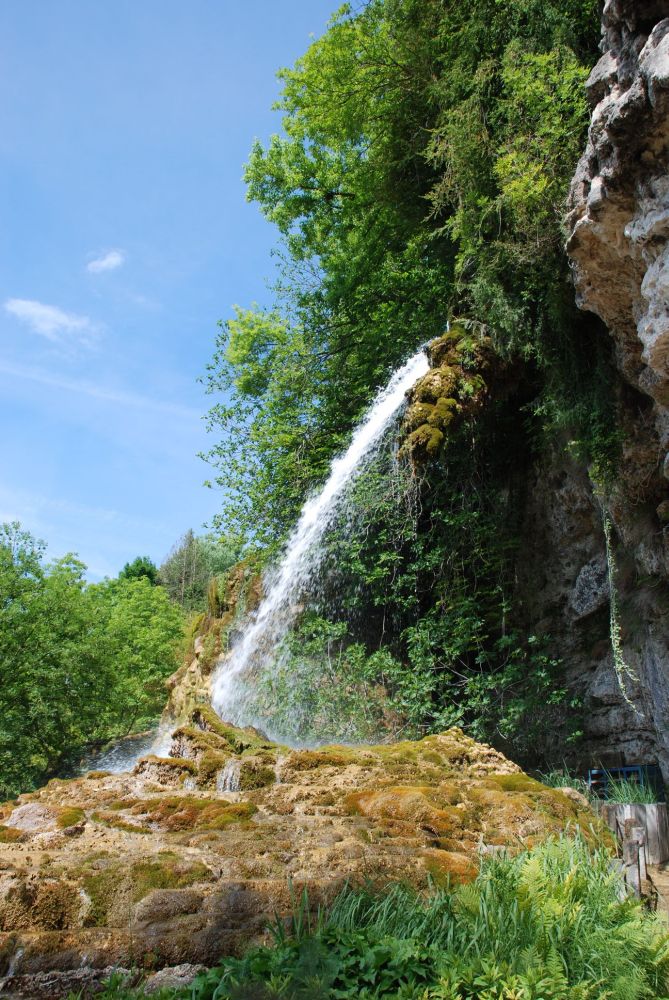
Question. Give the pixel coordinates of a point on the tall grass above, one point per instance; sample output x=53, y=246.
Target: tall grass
x=630, y=792
x=561, y=777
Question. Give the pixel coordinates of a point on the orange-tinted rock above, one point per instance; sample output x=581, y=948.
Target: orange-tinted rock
x=162, y=875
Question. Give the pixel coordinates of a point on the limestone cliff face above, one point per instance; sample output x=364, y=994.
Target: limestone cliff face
x=620, y=198
x=619, y=249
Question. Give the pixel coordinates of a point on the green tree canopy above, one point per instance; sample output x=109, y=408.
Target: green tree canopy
x=192, y=562
x=419, y=177
x=79, y=663
x=426, y=151
x=140, y=568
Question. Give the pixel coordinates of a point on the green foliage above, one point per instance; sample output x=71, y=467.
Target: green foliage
x=420, y=176
x=79, y=663
x=553, y=923
x=193, y=561
x=411, y=625
x=562, y=777
x=141, y=567
x=426, y=151
x=323, y=687
x=625, y=791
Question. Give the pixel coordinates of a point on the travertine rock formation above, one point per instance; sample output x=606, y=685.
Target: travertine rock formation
x=163, y=867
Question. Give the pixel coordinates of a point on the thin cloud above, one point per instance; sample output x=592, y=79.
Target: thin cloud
x=106, y=262
x=50, y=321
x=119, y=396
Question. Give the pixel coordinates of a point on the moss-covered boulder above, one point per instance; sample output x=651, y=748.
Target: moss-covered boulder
x=163, y=866
x=464, y=368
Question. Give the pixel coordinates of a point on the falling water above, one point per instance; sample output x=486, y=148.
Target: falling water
x=229, y=778
x=303, y=553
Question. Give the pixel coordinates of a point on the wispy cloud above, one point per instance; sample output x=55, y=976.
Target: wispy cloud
x=101, y=392
x=50, y=321
x=108, y=261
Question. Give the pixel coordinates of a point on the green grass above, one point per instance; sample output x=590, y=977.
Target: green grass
x=550, y=924
x=630, y=792
x=561, y=777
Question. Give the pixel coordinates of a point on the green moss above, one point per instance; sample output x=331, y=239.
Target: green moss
x=113, y=821
x=516, y=783
x=56, y=906
x=187, y=812
x=9, y=835
x=239, y=740
x=309, y=760
x=426, y=441
x=94, y=775
x=70, y=816
x=255, y=774
x=177, y=763
x=449, y=867
x=202, y=739
x=137, y=880
x=118, y=804
x=210, y=763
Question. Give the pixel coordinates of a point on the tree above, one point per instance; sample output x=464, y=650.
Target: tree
x=426, y=151
x=191, y=564
x=141, y=567
x=79, y=663
x=419, y=179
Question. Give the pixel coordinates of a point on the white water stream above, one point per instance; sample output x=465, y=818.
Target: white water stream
x=303, y=552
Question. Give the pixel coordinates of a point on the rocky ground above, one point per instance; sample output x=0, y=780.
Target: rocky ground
x=164, y=866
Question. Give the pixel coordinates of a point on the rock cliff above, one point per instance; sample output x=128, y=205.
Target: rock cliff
x=619, y=224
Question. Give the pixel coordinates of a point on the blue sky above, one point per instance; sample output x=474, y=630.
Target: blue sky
x=125, y=237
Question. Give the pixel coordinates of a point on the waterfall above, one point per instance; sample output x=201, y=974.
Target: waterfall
x=303, y=552
x=229, y=777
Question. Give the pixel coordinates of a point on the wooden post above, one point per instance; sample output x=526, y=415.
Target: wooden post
x=638, y=834
x=631, y=862
x=652, y=818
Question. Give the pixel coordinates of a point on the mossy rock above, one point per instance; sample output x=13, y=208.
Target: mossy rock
x=255, y=772
x=70, y=816
x=188, y=812
x=445, y=349
x=113, y=821
x=412, y=809
x=516, y=783
x=455, y=386
x=309, y=760
x=182, y=764
x=9, y=835
x=437, y=384
x=424, y=442
x=209, y=765
x=205, y=718
x=449, y=867
x=49, y=905
x=137, y=880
